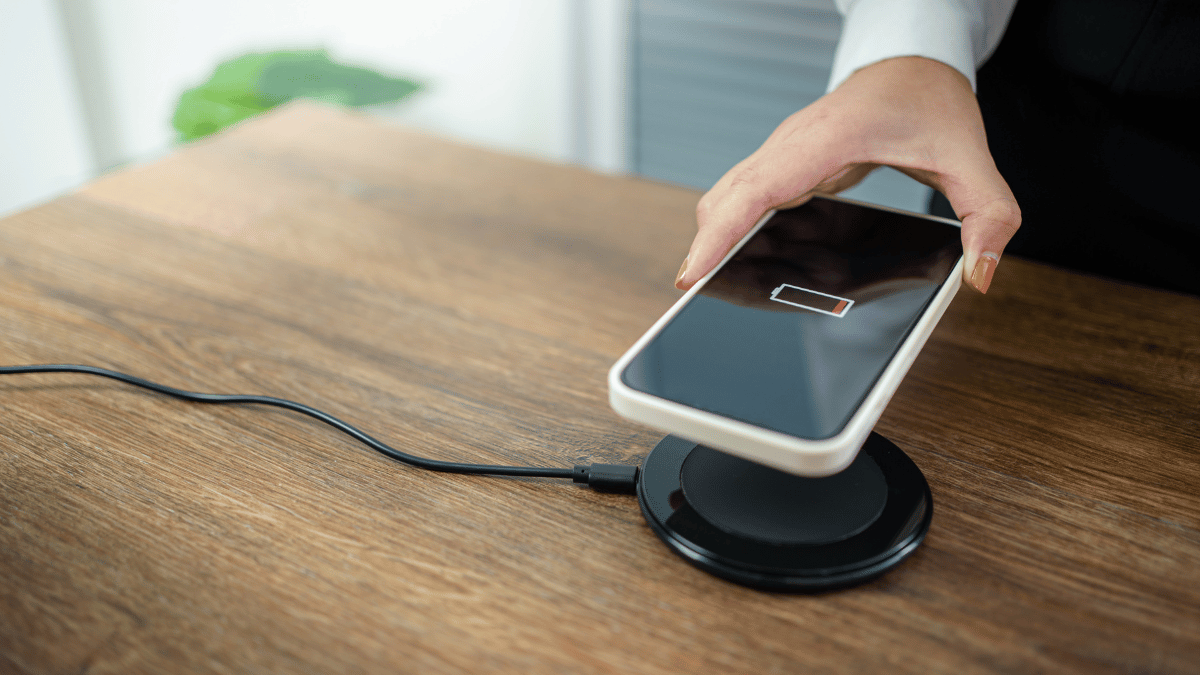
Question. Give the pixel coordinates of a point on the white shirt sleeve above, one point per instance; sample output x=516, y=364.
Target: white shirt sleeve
x=959, y=33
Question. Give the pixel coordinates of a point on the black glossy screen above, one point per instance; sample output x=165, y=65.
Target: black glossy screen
x=795, y=329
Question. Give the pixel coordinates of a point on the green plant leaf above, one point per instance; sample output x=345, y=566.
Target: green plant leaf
x=250, y=84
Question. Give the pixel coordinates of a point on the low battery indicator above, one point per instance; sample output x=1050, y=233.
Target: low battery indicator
x=812, y=300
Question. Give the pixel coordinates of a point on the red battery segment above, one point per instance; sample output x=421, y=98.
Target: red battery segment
x=812, y=300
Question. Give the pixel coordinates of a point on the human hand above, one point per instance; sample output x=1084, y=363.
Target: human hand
x=911, y=113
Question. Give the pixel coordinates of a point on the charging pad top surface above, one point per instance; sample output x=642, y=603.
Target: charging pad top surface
x=751, y=500
x=769, y=529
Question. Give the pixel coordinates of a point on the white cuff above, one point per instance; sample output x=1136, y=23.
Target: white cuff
x=959, y=33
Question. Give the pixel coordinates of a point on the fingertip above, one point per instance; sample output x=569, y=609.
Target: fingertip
x=709, y=246
x=679, y=283
x=982, y=271
x=691, y=272
x=986, y=232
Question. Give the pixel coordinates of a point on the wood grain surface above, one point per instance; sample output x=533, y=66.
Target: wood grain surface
x=466, y=305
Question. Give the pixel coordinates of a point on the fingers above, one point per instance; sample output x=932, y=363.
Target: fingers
x=731, y=208
x=780, y=174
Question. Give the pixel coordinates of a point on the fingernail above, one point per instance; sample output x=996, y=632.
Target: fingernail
x=682, y=271
x=985, y=267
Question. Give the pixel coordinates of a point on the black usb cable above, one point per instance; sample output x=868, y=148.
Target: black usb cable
x=602, y=477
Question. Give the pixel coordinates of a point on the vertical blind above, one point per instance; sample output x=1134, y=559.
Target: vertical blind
x=710, y=80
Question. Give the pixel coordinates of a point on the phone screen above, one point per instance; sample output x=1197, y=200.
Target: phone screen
x=792, y=333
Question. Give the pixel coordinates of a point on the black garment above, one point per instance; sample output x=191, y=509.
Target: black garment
x=1092, y=111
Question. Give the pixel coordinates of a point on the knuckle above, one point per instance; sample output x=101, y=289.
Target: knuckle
x=705, y=208
x=1007, y=210
x=1003, y=214
x=738, y=196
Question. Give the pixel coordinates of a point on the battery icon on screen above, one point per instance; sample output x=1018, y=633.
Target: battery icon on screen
x=812, y=300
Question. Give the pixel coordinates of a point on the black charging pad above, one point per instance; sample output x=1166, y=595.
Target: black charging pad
x=768, y=529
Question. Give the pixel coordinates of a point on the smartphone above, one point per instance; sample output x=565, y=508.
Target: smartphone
x=788, y=351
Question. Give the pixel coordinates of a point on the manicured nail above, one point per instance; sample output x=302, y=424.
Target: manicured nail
x=985, y=267
x=682, y=271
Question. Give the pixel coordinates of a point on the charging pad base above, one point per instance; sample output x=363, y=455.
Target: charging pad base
x=771, y=530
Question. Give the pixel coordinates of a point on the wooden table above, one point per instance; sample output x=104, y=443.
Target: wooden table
x=466, y=305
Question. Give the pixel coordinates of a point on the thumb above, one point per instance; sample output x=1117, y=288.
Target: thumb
x=990, y=217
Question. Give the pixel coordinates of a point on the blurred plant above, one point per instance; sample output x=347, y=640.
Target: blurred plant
x=251, y=84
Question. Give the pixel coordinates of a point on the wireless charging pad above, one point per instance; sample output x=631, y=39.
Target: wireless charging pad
x=768, y=529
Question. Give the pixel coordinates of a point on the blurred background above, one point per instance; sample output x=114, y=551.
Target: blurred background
x=672, y=90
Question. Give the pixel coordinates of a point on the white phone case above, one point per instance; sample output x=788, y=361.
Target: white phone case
x=788, y=453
